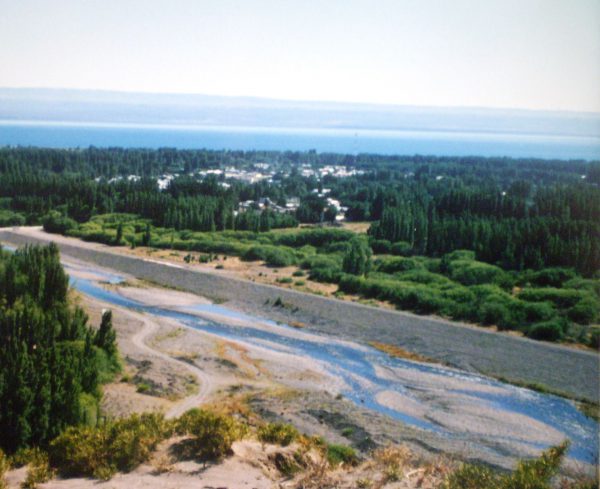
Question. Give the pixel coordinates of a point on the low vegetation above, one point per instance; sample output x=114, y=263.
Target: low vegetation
x=529, y=474
x=552, y=304
x=100, y=451
x=4, y=466
x=278, y=433
x=211, y=434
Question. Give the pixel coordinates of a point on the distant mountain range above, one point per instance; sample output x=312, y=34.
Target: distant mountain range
x=89, y=106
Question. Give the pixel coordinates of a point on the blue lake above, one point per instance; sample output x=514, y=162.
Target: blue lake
x=349, y=141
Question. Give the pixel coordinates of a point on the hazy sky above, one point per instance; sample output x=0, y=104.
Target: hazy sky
x=540, y=54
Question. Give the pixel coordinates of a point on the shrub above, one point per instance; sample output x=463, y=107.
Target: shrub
x=341, y=454
x=530, y=474
x=271, y=255
x=357, y=259
x=459, y=255
x=494, y=312
x=538, y=311
x=585, y=311
x=284, y=280
x=4, y=467
x=382, y=246
x=401, y=248
x=54, y=222
x=594, y=338
x=99, y=452
x=589, y=284
x=278, y=433
x=38, y=470
x=552, y=330
x=298, y=273
x=300, y=283
x=562, y=298
x=422, y=276
x=392, y=265
x=323, y=268
x=471, y=272
x=552, y=277
x=212, y=433
x=317, y=237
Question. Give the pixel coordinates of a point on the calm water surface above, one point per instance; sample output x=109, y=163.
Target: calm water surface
x=348, y=141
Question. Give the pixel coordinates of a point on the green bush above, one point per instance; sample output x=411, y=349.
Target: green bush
x=423, y=276
x=471, y=272
x=323, y=268
x=529, y=474
x=54, y=222
x=551, y=277
x=278, y=433
x=538, y=311
x=4, y=467
x=298, y=273
x=562, y=298
x=393, y=265
x=341, y=454
x=212, y=434
x=38, y=470
x=585, y=311
x=271, y=255
x=285, y=280
x=401, y=248
x=552, y=330
x=589, y=284
x=101, y=451
x=317, y=237
x=10, y=218
x=459, y=255
x=494, y=312
x=381, y=246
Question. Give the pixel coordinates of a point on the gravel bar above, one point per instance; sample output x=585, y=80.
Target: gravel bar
x=574, y=372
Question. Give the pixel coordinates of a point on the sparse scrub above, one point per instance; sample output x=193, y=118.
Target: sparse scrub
x=212, y=434
x=529, y=474
x=341, y=454
x=4, y=467
x=99, y=452
x=278, y=433
x=38, y=470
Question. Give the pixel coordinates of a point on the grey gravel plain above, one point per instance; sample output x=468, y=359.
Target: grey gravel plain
x=568, y=370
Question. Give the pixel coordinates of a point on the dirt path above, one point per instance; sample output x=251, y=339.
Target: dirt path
x=150, y=328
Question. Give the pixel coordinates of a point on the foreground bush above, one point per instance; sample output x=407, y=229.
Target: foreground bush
x=100, y=452
x=38, y=470
x=212, y=434
x=278, y=433
x=341, y=454
x=4, y=466
x=529, y=474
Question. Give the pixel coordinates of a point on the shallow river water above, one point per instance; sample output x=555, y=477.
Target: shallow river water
x=367, y=373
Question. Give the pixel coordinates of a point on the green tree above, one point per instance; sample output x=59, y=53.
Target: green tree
x=357, y=259
x=106, y=338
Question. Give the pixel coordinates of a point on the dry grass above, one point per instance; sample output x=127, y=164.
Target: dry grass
x=399, y=352
x=357, y=227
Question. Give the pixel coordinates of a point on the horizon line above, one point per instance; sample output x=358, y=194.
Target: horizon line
x=365, y=104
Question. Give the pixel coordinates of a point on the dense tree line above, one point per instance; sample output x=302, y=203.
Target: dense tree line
x=51, y=359
x=516, y=213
